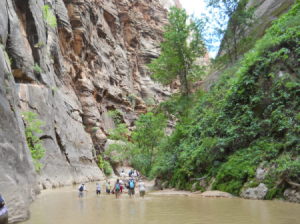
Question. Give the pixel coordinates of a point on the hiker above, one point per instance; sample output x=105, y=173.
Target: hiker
x=142, y=188
x=123, y=175
x=81, y=189
x=3, y=211
x=107, y=187
x=98, y=189
x=117, y=188
x=131, y=186
x=130, y=173
x=121, y=186
x=134, y=174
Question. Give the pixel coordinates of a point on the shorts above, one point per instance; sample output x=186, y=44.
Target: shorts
x=4, y=218
x=98, y=192
x=107, y=191
x=131, y=191
x=142, y=193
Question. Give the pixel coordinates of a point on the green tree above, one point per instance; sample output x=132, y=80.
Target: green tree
x=150, y=130
x=240, y=19
x=182, y=45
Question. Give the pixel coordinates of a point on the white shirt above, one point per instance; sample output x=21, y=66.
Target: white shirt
x=142, y=186
x=98, y=187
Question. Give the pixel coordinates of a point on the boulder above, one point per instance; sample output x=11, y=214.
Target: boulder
x=292, y=195
x=258, y=192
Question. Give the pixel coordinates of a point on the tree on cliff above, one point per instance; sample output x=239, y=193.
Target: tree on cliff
x=240, y=19
x=181, y=47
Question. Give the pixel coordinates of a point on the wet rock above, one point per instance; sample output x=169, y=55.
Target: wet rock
x=292, y=195
x=18, y=182
x=216, y=194
x=258, y=192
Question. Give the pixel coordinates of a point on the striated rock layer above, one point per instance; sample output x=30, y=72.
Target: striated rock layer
x=71, y=74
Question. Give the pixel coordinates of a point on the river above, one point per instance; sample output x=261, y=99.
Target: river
x=62, y=206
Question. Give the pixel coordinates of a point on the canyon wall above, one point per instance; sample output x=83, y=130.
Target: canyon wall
x=266, y=11
x=71, y=73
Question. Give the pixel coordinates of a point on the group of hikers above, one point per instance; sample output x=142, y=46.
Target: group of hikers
x=3, y=211
x=120, y=185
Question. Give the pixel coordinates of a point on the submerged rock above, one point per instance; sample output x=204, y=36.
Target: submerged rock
x=217, y=194
x=258, y=192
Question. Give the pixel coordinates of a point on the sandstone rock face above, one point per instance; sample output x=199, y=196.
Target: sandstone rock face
x=258, y=192
x=71, y=75
x=170, y=3
x=267, y=11
x=17, y=177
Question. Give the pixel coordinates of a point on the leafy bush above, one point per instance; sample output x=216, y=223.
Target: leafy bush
x=32, y=130
x=48, y=16
x=104, y=166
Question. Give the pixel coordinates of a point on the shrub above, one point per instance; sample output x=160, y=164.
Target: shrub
x=32, y=130
x=49, y=17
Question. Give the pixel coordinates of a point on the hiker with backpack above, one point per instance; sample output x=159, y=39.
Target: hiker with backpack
x=107, y=186
x=131, y=186
x=142, y=188
x=117, y=188
x=3, y=211
x=81, y=189
x=98, y=189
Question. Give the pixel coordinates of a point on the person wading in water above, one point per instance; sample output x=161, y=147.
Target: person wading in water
x=98, y=189
x=142, y=188
x=81, y=189
x=3, y=211
x=107, y=187
x=131, y=186
x=117, y=188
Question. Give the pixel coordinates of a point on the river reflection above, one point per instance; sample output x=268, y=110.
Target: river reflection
x=62, y=206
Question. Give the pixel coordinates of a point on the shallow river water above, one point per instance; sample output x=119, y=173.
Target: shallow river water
x=62, y=206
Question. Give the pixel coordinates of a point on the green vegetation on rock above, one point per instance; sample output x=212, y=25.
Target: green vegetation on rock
x=49, y=17
x=249, y=119
x=104, y=165
x=32, y=132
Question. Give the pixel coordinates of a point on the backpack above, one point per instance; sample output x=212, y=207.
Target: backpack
x=81, y=188
x=2, y=203
x=117, y=187
x=131, y=184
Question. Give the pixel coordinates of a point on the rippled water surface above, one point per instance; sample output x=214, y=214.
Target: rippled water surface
x=62, y=206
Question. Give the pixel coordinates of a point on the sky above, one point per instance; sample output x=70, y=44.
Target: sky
x=198, y=9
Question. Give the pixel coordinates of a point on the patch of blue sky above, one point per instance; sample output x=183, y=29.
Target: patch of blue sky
x=213, y=23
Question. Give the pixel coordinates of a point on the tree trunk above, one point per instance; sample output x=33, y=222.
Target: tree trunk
x=184, y=83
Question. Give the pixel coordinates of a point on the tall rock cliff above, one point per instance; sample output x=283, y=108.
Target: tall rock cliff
x=266, y=11
x=71, y=74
